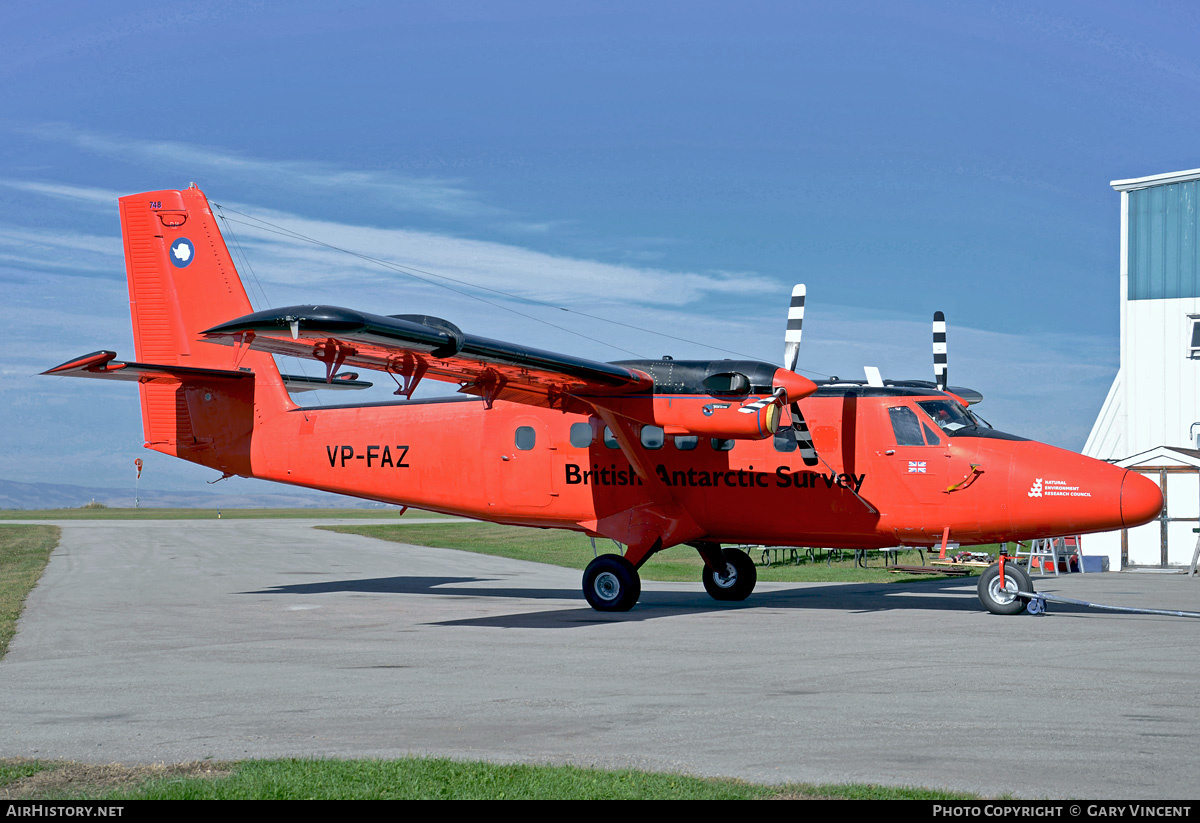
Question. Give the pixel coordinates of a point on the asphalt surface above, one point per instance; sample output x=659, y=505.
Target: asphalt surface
x=150, y=641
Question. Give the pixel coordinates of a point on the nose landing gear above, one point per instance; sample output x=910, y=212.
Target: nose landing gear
x=1003, y=599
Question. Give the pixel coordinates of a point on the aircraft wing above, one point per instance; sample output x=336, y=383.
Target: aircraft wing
x=416, y=346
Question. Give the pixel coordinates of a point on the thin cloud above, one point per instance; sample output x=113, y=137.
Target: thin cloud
x=432, y=258
x=37, y=249
x=100, y=197
x=425, y=194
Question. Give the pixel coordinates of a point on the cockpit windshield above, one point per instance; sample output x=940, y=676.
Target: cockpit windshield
x=948, y=414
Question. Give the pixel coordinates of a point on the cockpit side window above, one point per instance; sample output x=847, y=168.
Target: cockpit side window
x=931, y=438
x=905, y=426
x=949, y=416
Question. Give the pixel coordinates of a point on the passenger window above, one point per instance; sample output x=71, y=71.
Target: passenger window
x=686, y=442
x=906, y=426
x=525, y=438
x=581, y=435
x=652, y=437
x=720, y=445
x=785, y=440
x=609, y=440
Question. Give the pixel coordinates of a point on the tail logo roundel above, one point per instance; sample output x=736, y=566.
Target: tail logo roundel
x=182, y=252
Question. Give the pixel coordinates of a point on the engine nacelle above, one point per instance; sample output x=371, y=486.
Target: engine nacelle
x=744, y=418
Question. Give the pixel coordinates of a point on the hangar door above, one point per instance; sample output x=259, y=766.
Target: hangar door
x=1168, y=541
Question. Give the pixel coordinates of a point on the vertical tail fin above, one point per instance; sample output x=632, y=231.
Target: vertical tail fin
x=181, y=282
x=181, y=278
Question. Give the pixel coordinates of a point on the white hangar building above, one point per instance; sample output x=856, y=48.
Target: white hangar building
x=1150, y=421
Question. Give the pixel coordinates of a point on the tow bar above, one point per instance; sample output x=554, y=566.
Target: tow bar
x=1037, y=605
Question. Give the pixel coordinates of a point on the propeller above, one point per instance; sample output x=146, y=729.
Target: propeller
x=968, y=397
x=791, y=356
x=795, y=325
x=939, y=351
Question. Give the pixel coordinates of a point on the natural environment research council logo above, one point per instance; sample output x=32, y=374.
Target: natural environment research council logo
x=1036, y=489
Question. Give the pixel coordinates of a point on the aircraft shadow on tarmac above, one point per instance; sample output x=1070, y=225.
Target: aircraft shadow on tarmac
x=927, y=595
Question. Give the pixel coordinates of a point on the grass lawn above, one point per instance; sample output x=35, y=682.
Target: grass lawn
x=574, y=551
x=106, y=513
x=407, y=778
x=24, y=552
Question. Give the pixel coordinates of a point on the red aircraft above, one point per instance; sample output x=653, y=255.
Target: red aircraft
x=650, y=453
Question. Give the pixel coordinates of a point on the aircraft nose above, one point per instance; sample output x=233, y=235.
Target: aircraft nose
x=1141, y=499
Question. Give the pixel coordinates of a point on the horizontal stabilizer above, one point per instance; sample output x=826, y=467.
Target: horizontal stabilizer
x=104, y=365
x=341, y=382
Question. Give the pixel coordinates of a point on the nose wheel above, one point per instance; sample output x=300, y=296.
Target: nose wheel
x=734, y=577
x=1004, y=599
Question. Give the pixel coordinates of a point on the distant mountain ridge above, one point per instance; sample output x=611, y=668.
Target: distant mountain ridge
x=17, y=495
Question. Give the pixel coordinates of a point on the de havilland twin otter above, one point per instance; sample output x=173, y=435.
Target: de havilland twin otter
x=649, y=453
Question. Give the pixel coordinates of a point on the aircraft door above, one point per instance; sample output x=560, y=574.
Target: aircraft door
x=521, y=471
x=915, y=455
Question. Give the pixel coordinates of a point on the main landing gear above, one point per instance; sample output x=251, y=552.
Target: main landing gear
x=611, y=583
x=734, y=577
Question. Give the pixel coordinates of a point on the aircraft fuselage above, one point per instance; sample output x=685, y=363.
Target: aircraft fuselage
x=517, y=464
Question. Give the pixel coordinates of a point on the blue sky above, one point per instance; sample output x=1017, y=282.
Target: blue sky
x=674, y=166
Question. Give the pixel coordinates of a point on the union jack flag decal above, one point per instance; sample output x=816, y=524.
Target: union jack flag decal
x=916, y=467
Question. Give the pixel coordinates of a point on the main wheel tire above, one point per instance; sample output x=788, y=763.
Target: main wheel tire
x=737, y=579
x=1004, y=600
x=611, y=584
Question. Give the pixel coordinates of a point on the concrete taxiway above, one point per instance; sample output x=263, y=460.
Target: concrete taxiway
x=182, y=640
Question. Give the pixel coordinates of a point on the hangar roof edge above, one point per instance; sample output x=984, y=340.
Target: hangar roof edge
x=1189, y=457
x=1155, y=180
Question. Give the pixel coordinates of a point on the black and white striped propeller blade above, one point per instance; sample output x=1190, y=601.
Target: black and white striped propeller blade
x=791, y=357
x=808, y=452
x=939, y=351
x=795, y=325
x=779, y=395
